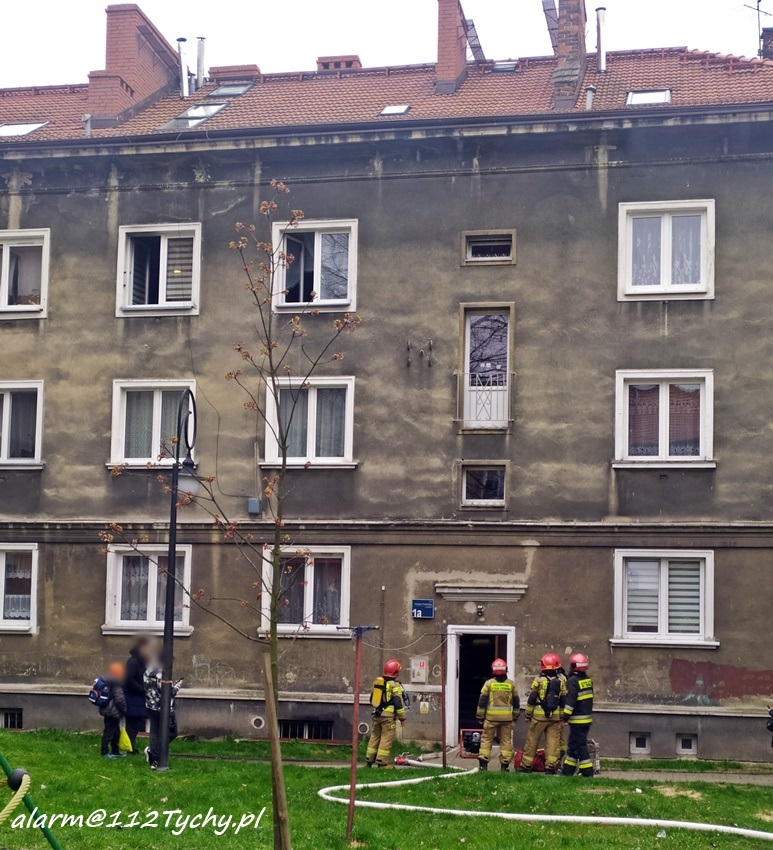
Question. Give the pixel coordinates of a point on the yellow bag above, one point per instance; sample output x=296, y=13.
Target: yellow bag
x=124, y=744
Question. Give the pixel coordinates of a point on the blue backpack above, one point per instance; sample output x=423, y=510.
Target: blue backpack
x=101, y=693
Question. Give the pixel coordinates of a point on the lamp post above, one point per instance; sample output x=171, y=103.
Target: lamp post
x=183, y=480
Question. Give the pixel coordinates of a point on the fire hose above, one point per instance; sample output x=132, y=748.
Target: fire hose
x=330, y=793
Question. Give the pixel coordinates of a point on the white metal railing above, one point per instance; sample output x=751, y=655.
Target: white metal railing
x=484, y=399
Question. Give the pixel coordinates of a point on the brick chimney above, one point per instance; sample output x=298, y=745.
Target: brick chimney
x=766, y=51
x=570, y=52
x=451, y=68
x=140, y=64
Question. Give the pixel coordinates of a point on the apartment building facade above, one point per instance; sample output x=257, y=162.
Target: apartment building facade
x=549, y=433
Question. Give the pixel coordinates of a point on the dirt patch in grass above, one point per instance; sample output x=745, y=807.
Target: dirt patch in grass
x=766, y=816
x=673, y=791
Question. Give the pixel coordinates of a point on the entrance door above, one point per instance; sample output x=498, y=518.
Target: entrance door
x=471, y=649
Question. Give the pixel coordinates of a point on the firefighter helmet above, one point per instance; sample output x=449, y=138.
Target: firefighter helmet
x=499, y=667
x=550, y=661
x=579, y=661
x=392, y=668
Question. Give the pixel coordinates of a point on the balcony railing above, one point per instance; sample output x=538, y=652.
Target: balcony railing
x=484, y=401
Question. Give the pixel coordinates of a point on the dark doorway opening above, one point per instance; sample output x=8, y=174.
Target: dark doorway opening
x=476, y=652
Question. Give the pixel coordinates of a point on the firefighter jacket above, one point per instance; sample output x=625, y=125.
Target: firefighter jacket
x=546, y=697
x=578, y=707
x=498, y=701
x=387, y=699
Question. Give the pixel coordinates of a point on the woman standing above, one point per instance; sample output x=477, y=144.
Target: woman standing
x=134, y=689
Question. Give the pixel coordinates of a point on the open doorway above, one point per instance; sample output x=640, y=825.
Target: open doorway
x=471, y=649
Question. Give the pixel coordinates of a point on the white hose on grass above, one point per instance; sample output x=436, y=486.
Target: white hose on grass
x=328, y=794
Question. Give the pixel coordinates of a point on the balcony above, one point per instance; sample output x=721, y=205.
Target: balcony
x=484, y=400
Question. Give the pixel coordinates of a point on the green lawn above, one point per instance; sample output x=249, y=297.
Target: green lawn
x=70, y=777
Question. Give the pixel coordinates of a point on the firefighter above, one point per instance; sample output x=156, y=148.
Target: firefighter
x=544, y=708
x=388, y=702
x=578, y=711
x=498, y=707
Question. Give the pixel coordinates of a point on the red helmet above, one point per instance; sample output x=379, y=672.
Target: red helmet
x=499, y=666
x=550, y=661
x=579, y=661
x=392, y=668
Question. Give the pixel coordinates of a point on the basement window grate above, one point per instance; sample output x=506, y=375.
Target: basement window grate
x=306, y=730
x=12, y=718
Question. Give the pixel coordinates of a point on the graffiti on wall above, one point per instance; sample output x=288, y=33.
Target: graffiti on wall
x=706, y=683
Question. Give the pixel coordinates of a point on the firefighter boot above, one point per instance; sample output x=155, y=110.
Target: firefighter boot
x=482, y=764
x=504, y=768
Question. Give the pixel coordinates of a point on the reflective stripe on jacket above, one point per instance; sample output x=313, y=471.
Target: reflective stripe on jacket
x=579, y=700
x=498, y=701
x=386, y=698
x=544, y=689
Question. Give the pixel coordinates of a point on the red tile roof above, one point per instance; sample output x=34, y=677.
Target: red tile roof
x=356, y=97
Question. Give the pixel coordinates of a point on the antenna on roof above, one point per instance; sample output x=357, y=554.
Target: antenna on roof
x=760, y=12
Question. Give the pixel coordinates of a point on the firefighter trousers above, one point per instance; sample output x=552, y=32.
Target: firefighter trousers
x=382, y=736
x=578, y=755
x=504, y=732
x=551, y=730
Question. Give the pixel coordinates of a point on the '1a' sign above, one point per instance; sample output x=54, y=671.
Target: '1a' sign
x=423, y=609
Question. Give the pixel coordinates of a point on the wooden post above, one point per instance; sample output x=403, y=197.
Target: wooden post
x=443, y=672
x=355, y=729
x=277, y=774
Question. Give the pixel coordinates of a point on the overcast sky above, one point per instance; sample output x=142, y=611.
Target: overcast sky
x=60, y=41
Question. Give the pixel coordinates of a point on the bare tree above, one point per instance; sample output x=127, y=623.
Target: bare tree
x=276, y=367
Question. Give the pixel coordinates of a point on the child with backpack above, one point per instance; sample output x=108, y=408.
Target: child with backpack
x=108, y=695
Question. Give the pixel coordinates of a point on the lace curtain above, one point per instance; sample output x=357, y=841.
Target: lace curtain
x=327, y=591
x=139, y=424
x=17, y=595
x=134, y=588
x=684, y=420
x=291, y=604
x=331, y=422
x=643, y=420
x=294, y=418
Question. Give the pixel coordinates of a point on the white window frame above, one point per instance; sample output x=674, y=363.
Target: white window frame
x=703, y=640
x=639, y=751
x=281, y=229
x=272, y=454
x=681, y=752
x=624, y=378
x=29, y=627
x=113, y=624
x=496, y=397
x=312, y=629
x=483, y=503
x=37, y=237
x=24, y=462
x=124, y=307
x=665, y=210
x=118, y=435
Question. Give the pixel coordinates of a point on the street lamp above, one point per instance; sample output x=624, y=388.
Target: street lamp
x=185, y=481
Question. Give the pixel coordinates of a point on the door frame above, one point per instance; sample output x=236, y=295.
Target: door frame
x=453, y=634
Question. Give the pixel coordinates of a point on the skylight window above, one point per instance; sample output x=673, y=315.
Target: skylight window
x=193, y=116
x=399, y=109
x=230, y=90
x=7, y=130
x=651, y=97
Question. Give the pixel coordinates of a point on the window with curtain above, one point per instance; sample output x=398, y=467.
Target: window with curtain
x=664, y=597
x=322, y=271
x=667, y=249
x=666, y=418
x=149, y=423
x=315, y=421
x=23, y=270
x=314, y=591
x=19, y=437
x=16, y=586
x=139, y=579
x=160, y=266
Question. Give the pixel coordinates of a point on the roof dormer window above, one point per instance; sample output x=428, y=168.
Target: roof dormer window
x=398, y=109
x=193, y=116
